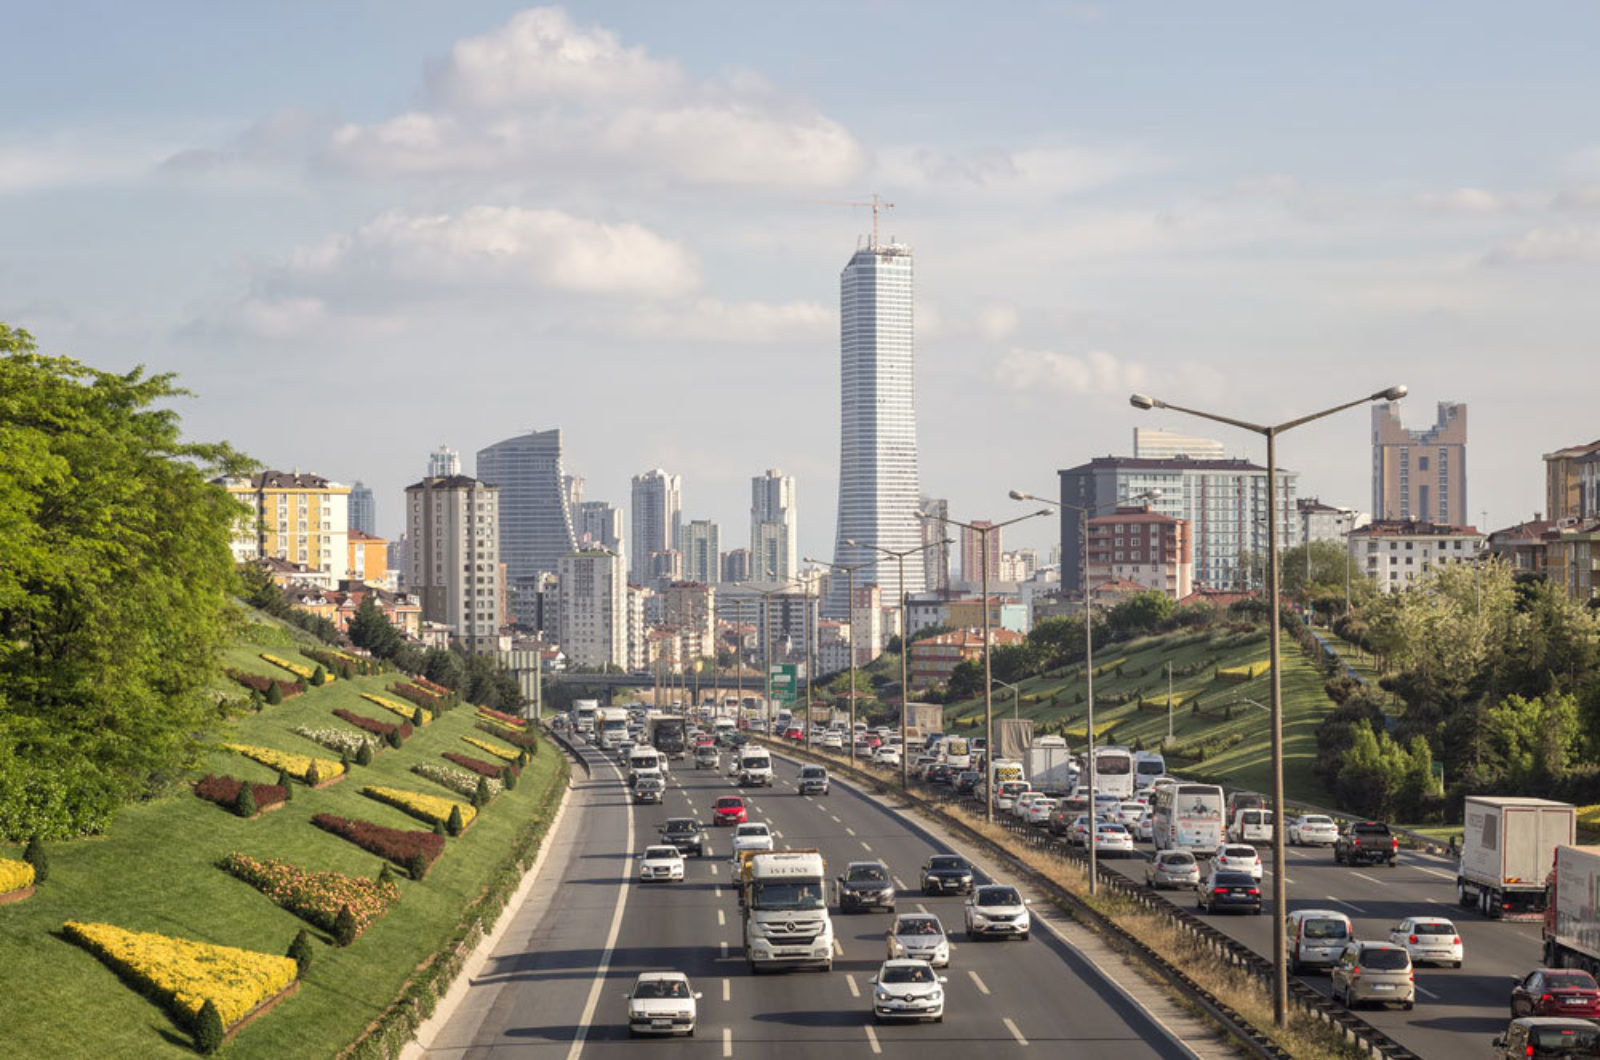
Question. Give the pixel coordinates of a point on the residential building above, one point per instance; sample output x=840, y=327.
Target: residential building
x=878, y=492
x=453, y=526
x=967, y=613
x=598, y=524
x=972, y=552
x=736, y=565
x=783, y=617
x=638, y=628
x=1224, y=501
x=664, y=567
x=934, y=658
x=1524, y=546
x=1138, y=546
x=690, y=607
x=702, y=551
x=299, y=518
x=1018, y=566
x=398, y=551
x=1324, y=522
x=1397, y=553
x=657, y=518
x=936, y=543
x=444, y=462
x=535, y=522
x=1569, y=482
x=363, y=509
x=774, y=527
x=369, y=559
x=1153, y=444
x=1420, y=475
x=833, y=646
x=594, y=608
x=572, y=485
x=866, y=625
x=1572, y=558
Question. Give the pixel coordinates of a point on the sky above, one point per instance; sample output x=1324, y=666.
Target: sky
x=359, y=230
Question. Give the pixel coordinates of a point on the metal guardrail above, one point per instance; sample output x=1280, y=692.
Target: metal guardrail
x=571, y=749
x=1355, y=1030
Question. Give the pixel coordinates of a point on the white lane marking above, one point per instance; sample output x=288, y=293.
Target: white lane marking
x=727, y=1041
x=727, y=990
x=1364, y=876
x=716, y=892
x=899, y=884
x=724, y=945
x=1434, y=872
x=713, y=870
x=1012, y=1027
x=982, y=989
x=821, y=807
x=722, y=919
x=605, y=957
x=872, y=1039
x=1428, y=994
x=850, y=981
x=835, y=818
x=921, y=908
x=777, y=835
x=866, y=846
x=1341, y=901
x=849, y=831
x=838, y=950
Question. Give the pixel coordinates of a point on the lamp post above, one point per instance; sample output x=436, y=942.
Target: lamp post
x=905, y=641
x=1088, y=659
x=1016, y=694
x=766, y=606
x=850, y=591
x=1280, y=887
x=983, y=533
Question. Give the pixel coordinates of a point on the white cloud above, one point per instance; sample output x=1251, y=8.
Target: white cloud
x=1584, y=197
x=1465, y=200
x=712, y=320
x=1095, y=372
x=1544, y=246
x=1035, y=171
x=27, y=168
x=997, y=321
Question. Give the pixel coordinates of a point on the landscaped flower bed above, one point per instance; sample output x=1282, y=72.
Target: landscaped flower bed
x=373, y=725
x=490, y=714
x=224, y=791
x=394, y=844
x=422, y=697
x=295, y=668
x=335, y=661
x=434, y=809
x=261, y=682
x=525, y=740
x=1238, y=674
x=16, y=880
x=187, y=974
x=458, y=780
x=498, y=752
x=407, y=712
x=433, y=686
x=295, y=765
x=345, y=741
x=314, y=896
x=480, y=767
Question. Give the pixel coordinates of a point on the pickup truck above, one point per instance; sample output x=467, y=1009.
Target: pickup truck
x=1366, y=842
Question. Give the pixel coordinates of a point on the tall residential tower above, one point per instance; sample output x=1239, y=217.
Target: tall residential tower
x=1420, y=475
x=774, y=538
x=535, y=523
x=657, y=521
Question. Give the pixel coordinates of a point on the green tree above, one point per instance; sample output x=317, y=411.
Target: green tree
x=1141, y=613
x=371, y=629
x=113, y=588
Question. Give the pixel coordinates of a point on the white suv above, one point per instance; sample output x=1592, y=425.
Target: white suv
x=751, y=836
x=996, y=910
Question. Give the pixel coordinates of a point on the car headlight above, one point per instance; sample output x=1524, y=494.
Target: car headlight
x=979, y=918
x=880, y=994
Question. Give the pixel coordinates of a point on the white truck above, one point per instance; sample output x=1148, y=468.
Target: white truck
x=1508, y=847
x=956, y=752
x=1571, y=921
x=782, y=897
x=755, y=767
x=645, y=760
x=1050, y=767
x=612, y=727
x=585, y=716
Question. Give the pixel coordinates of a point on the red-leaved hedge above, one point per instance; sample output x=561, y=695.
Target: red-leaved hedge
x=373, y=725
x=261, y=682
x=393, y=844
x=479, y=766
x=224, y=791
x=525, y=740
x=422, y=697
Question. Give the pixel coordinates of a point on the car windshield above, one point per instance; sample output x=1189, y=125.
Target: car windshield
x=779, y=894
x=682, y=824
x=1324, y=928
x=1573, y=1041
x=1243, y=853
x=661, y=852
x=1177, y=861
x=655, y=989
x=920, y=925
x=1317, y=820
x=752, y=829
x=947, y=863
x=907, y=973
x=812, y=771
x=1232, y=879
x=866, y=874
x=729, y=804
x=1434, y=927
x=1385, y=960
x=999, y=896
x=1569, y=981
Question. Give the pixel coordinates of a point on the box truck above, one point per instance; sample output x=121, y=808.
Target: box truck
x=1571, y=922
x=1050, y=766
x=786, y=922
x=1508, y=846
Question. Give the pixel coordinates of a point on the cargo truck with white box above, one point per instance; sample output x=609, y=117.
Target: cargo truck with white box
x=1050, y=766
x=1571, y=921
x=782, y=898
x=1508, y=846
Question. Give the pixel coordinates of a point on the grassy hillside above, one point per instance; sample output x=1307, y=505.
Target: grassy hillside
x=156, y=871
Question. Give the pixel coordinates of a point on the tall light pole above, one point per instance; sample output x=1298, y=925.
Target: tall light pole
x=1280, y=887
x=850, y=591
x=905, y=642
x=1088, y=658
x=766, y=606
x=983, y=532
x=1016, y=697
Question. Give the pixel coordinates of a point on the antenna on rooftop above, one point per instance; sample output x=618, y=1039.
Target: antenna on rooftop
x=876, y=204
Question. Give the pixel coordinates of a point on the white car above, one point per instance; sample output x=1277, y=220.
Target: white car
x=886, y=756
x=1113, y=839
x=1237, y=857
x=1009, y=791
x=660, y=863
x=919, y=936
x=1429, y=939
x=1019, y=809
x=752, y=835
x=996, y=910
x=1313, y=829
x=833, y=739
x=1039, y=811
x=1146, y=829
x=907, y=990
x=1129, y=814
x=662, y=1003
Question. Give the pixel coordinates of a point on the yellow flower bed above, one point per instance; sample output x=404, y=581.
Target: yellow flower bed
x=430, y=808
x=188, y=974
x=303, y=672
x=500, y=753
x=1244, y=673
x=1081, y=732
x=405, y=710
x=295, y=765
x=1178, y=699
x=15, y=875
x=1105, y=668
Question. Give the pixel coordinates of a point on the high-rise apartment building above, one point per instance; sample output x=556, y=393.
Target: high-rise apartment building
x=535, y=522
x=1153, y=444
x=736, y=565
x=878, y=492
x=444, y=462
x=972, y=552
x=690, y=607
x=453, y=556
x=573, y=486
x=1420, y=475
x=702, y=551
x=936, y=538
x=598, y=524
x=657, y=519
x=594, y=608
x=363, y=509
x=295, y=517
x=1570, y=477
x=774, y=527
x=1325, y=522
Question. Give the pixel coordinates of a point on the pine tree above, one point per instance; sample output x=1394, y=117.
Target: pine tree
x=454, y=825
x=394, y=737
x=274, y=693
x=480, y=796
x=302, y=953
x=386, y=874
x=313, y=777
x=286, y=783
x=319, y=677
x=208, y=1029
x=244, y=804
x=364, y=755
x=36, y=855
x=417, y=866
x=344, y=927
x=508, y=777
x=419, y=719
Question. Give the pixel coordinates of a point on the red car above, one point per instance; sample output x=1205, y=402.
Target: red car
x=794, y=732
x=1556, y=992
x=705, y=740
x=728, y=810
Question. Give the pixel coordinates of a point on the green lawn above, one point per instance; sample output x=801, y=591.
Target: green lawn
x=155, y=871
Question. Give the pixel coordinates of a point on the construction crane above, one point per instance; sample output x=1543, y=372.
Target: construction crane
x=876, y=204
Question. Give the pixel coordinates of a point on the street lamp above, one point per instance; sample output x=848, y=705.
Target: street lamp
x=1016, y=693
x=850, y=579
x=1280, y=887
x=905, y=639
x=766, y=606
x=1088, y=658
x=983, y=533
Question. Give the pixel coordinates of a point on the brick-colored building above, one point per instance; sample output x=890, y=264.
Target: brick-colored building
x=1136, y=544
x=934, y=658
x=369, y=558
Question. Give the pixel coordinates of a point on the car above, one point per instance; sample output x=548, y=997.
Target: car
x=795, y=732
x=1431, y=939
x=649, y=790
x=1019, y=808
x=1548, y=1038
x=1238, y=857
x=921, y=764
x=1067, y=811
x=660, y=862
x=662, y=1003
x=863, y=748
x=996, y=910
x=1556, y=992
x=706, y=757
x=1039, y=811
x=1005, y=796
x=1077, y=832
x=967, y=780
x=833, y=740
x=1112, y=839
x=1366, y=843
x=941, y=774
x=1317, y=938
x=686, y=834
x=813, y=780
x=1145, y=830
x=1129, y=814
x=1312, y=830
x=865, y=885
x=919, y=936
x=728, y=809
x=1171, y=868
x=886, y=756
x=1379, y=972
x=946, y=874
x=751, y=836
x=1223, y=891
x=907, y=990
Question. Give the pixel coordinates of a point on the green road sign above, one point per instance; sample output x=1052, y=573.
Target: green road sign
x=785, y=680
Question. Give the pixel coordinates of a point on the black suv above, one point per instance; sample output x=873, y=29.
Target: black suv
x=686, y=834
x=1366, y=843
x=967, y=780
x=946, y=874
x=866, y=885
x=941, y=773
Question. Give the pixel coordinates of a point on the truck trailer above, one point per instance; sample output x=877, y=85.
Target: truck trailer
x=1507, y=849
x=1050, y=766
x=783, y=901
x=1571, y=921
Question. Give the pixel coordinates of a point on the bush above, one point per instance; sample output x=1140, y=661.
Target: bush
x=386, y=874
x=480, y=796
x=208, y=1029
x=286, y=784
x=364, y=756
x=302, y=952
x=274, y=694
x=417, y=866
x=319, y=677
x=394, y=738
x=244, y=804
x=454, y=824
x=419, y=718
x=344, y=927
x=36, y=855
x=313, y=777
x=508, y=777
x=394, y=844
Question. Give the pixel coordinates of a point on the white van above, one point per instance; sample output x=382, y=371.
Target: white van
x=755, y=768
x=1147, y=766
x=1316, y=938
x=1251, y=826
x=645, y=761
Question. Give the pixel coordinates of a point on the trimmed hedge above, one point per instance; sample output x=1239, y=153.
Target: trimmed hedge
x=393, y=844
x=263, y=684
x=479, y=766
x=316, y=897
x=224, y=791
x=525, y=740
x=373, y=725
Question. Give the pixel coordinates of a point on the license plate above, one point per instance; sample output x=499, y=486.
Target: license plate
x=660, y=1023
x=1577, y=1001
x=793, y=951
x=1383, y=986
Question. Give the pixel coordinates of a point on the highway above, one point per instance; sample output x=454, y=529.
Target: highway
x=554, y=986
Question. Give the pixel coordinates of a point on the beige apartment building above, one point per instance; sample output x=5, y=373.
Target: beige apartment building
x=1420, y=475
x=294, y=517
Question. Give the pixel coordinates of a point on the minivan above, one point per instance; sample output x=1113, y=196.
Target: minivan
x=813, y=780
x=1251, y=826
x=1317, y=938
x=1373, y=971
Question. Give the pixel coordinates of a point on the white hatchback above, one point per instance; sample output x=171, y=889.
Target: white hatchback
x=660, y=863
x=1237, y=857
x=907, y=990
x=752, y=835
x=1040, y=809
x=1429, y=939
x=1313, y=829
x=1019, y=809
x=919, y=936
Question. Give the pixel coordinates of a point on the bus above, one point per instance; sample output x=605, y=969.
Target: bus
x=1113, y=772
x=1187, y=817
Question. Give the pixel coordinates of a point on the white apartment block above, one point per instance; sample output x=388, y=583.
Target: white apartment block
x=638, y=629
x=774, y=527
x=1397, y=554
x=453, y=556
x=593, y=608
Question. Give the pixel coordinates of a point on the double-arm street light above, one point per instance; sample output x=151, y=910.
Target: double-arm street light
x=766, y=605
x=1088, y=656
x=850, y=578
x=983, y=531
x=1016, y=697
x=905, y=640
x=1280, y=888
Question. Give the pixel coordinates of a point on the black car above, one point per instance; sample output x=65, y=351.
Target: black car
x=686, y=834
x=947, y=874
x=865, y=885
x=1548, y=1036
x=1228, y=892
x=1366, y=843
x=967, y=780
x=941, y=773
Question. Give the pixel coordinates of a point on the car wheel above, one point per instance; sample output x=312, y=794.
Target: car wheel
x=1455, y=964
x=1409, y=1005
x=1023, y=936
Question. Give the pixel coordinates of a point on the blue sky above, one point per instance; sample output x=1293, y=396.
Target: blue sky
x=359, y=230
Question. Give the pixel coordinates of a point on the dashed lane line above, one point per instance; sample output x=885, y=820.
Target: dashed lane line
x=1012, y=1027
x=1428, y=994
x=849, y=831
x=921, y=908
x=899, y=884
x=1369, y=879
x=716, y=892
x=1435, y=872
x=872, y=1039
x=850, y=981
x=866, y=846
x=982, y=989
x=727, y=1041
x=838, y=950
x=1347, y=905
x=723, y=946
x=835, y=818
x=727, y=990
x=722, y=919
